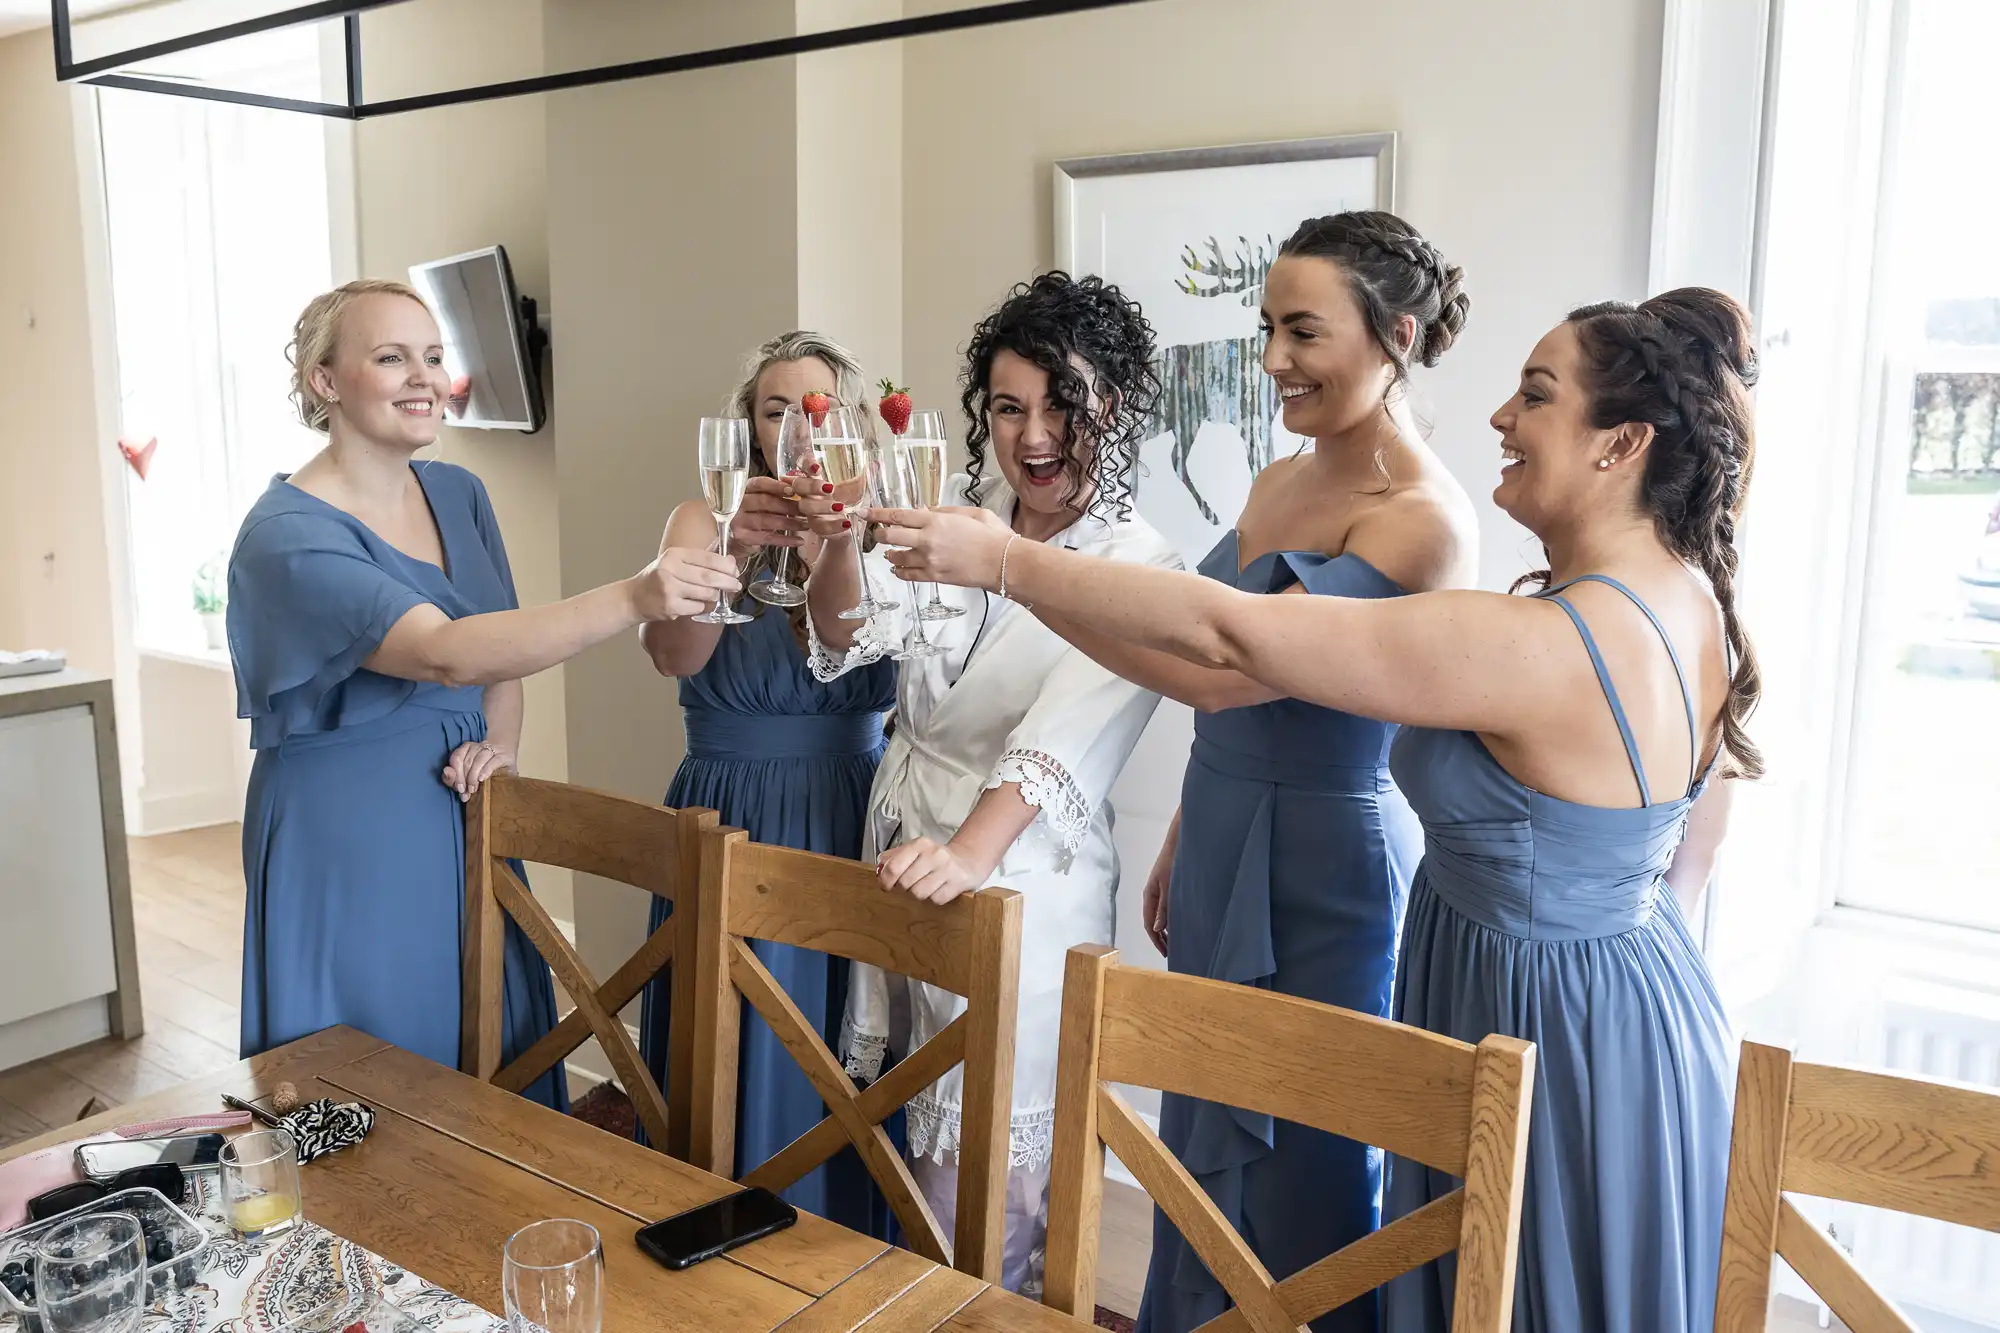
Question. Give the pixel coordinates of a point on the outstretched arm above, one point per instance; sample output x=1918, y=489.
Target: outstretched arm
x=1467, y=660
x=1208, y=689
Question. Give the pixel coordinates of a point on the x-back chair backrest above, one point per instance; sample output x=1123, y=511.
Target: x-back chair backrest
x=970, y=947
x=1910, y=1144
x=633, y=842
x=1461, y=1109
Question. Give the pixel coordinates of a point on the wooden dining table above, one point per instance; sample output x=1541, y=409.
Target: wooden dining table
x=454, y=1166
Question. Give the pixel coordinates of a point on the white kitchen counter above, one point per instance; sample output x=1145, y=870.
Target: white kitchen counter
x=69, y=967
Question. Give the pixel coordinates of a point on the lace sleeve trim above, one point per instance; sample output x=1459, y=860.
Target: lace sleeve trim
x=871, y=644
x=1046, y=784
x=935, y=1128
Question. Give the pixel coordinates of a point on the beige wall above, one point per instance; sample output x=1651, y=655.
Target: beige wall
x=436, y=183
x=55, y=576
x=1526, y=154
x=673, y=248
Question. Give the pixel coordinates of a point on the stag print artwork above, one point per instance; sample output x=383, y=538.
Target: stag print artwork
x=1221, y=380
x=1191, y=237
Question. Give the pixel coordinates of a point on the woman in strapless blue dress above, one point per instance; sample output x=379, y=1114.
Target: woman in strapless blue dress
x=1534, y=733
x=1292, y=853
x=785, y=757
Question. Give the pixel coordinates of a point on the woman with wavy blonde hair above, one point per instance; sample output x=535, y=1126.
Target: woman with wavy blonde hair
x=779, y=753
x=379, y=651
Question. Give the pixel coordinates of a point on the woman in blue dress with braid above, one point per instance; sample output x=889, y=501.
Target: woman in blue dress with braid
x=379, y=652
x=1290, y=859
x=781, y=755
x=1562, y=751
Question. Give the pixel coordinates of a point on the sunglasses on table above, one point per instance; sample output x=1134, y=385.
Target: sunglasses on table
x=166, y=1177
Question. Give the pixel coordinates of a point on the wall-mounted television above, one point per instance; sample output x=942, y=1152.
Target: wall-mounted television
x=492, y=343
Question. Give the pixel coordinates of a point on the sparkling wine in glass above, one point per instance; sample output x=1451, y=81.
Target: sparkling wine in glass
x=725, y=470
x=924, y=445
x=791, y=454
x=891, y=485
x=841, y=441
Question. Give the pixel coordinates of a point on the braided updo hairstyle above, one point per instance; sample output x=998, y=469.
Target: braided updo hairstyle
x=1393, y=272
x=1684, y=364
x=1048, y=321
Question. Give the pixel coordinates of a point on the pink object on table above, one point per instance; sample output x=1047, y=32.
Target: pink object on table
x=187, y=1124
x=37, y=1172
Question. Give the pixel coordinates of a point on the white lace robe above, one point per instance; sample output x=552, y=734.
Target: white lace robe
x=1008, y=701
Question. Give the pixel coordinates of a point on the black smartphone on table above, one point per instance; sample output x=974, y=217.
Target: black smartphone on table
x=685, y=1239
x=189, y=1152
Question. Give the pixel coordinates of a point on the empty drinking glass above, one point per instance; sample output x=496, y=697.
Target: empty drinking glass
x=552, y=1278
x=90, y=1275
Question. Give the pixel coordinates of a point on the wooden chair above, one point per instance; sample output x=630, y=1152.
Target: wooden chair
x=1459, y=1108
x=971, y=946
x=1888, y=1141
x=633, y=842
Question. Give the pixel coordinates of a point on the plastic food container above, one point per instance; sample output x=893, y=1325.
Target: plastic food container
x=175, y=1244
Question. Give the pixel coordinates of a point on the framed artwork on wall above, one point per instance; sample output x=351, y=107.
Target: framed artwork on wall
x=1189, y=234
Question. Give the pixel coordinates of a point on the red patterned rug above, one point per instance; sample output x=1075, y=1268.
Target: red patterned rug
x=611, y=1111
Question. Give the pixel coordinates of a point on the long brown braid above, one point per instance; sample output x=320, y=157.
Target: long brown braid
x=1684, y=364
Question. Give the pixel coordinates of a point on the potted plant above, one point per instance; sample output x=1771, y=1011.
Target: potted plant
x=211, y=598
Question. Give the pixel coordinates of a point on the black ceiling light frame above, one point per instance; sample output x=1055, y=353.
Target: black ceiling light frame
x=101, y=71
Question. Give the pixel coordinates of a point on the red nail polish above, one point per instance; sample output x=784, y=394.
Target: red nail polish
x=844, y=524
x=838, y=506
x=826, y=488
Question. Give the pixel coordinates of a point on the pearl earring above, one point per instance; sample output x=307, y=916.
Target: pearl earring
x=1603, y=463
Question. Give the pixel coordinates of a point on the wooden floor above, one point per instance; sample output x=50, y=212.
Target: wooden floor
x=187, y=900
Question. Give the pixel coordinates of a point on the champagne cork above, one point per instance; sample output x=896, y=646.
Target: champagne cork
x=286, y=1099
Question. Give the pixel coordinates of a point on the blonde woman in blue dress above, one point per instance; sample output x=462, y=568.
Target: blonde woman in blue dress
x=1563, y=751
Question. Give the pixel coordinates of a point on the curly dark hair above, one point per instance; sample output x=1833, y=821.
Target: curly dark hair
x=1393, y=272
x=1684, y=363
x=1048, y=321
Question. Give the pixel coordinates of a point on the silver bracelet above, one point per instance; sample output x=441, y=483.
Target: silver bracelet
x=1012, y=537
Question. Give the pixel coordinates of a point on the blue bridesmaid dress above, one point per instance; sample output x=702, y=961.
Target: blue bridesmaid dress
x=1552, y=921
x=790, y=760
x=353, y=847
x=1295, y=857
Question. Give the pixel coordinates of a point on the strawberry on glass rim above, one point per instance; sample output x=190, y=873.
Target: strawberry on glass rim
x=895, y=408
x=816, y=405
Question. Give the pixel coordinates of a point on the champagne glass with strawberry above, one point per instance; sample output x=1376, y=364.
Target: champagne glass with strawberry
x=924, y=447
x=840, y=439
x=792, y=456
x=892, y=485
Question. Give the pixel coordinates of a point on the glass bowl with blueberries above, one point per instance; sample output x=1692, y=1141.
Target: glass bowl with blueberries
x=174, y=1244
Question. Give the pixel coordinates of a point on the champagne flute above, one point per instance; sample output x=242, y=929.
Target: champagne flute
x=892, y=486
x=924, y=445
x=840, y=438
x=793, y=453
x=725, y=470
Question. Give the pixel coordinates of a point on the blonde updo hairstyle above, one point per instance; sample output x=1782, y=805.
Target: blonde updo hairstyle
x=316, y=336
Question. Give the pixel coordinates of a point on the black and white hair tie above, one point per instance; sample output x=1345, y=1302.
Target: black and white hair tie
x=326, y=1126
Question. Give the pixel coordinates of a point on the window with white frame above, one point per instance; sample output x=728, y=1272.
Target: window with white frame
x=1922, y=805
x=219, y=234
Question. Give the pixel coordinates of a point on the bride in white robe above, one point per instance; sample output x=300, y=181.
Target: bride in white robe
x=1007, y=743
